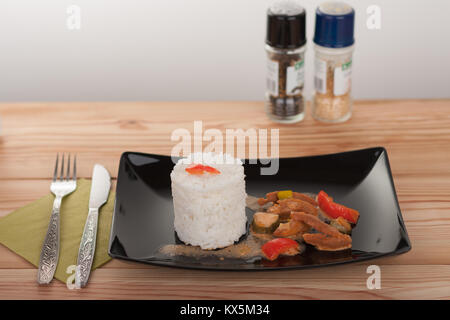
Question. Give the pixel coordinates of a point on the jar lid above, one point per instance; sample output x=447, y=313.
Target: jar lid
x=286, y=25
x=335, y=22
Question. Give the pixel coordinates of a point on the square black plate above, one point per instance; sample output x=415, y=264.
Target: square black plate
x=361, y=179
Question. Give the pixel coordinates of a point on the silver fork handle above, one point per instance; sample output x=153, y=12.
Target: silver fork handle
x=50, y=249
x=87, y=249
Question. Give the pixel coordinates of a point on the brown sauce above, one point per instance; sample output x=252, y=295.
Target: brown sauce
x=248, y=248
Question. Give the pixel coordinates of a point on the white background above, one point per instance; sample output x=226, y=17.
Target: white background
x=204, y=50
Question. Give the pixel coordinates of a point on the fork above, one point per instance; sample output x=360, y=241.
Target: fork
x=61, y=186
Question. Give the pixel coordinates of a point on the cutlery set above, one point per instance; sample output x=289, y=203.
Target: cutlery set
x=64, y=183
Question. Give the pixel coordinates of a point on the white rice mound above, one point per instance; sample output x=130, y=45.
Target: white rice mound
x=209, y=208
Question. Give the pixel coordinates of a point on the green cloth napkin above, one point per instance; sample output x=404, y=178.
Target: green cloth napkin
x=23, y=231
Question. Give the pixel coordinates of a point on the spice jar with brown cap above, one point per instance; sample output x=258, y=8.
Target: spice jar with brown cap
x=285, y=47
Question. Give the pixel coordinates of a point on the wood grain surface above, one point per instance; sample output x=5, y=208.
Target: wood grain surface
x=416, y=134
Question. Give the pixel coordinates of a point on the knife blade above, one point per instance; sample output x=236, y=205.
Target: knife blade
x=101, y=184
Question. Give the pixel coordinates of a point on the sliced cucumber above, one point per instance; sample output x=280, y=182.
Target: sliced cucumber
x=265, y=222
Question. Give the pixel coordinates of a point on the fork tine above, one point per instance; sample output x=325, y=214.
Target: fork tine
x=68, y=168
x=75, y=167
x=55, y=174
x=61, y=177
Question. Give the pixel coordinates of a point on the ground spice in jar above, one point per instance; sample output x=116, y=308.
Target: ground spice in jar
x=333, y=46
x=331, y=103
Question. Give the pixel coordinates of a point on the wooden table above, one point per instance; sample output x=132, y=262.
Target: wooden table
x=415, y=133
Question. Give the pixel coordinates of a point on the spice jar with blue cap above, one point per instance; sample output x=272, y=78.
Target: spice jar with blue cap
x=333, y=49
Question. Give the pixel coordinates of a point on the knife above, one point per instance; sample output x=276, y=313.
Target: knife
x=101, y=183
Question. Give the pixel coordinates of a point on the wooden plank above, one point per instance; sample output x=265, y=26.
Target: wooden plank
x=425, y=214
x=343, y=282
x=414, y=132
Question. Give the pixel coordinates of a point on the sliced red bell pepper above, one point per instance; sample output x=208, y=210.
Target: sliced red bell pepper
x=211, y=170
x=273, y=248
x=195, y=169
x=200, y=169
x=336, y=210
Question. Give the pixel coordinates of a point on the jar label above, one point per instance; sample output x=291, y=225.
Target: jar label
x=320, y=75
x=342, y=78
x=295, y=77
x=272, y=77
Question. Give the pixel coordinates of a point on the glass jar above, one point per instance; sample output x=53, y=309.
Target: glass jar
x=285, y=80
x=333, y=49
x=285, y=48
x=332, y=100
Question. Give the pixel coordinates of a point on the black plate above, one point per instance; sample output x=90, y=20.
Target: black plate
x=143, y=215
